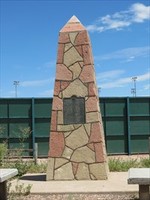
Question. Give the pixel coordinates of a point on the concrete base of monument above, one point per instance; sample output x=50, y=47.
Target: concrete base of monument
x=116, y=183
x=59, y=169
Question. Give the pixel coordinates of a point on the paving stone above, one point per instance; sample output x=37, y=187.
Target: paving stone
x=64, y=173
x=92, y=117
x=82, y=172
x=99, y=171
x=88, y=128
x=67, y=133
x=76, y=69
x=50, y=169
x=83, y=154
x=77, y=138
x=60, y=118
x=59, y=162
x=71, y=56
x=76, y=88
x=64, y=128
x=67, y=152
x=68, y=46
x=73, y=36
x=77, y=125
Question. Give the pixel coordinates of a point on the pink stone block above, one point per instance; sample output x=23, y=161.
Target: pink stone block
x=91, y=146
x=63, y=73
x=87, y=74
x=57, y=103
x=87, y=55
x=54, y=121
x=64, y=38
x=95, y=133
x=99, y=152
x=72, y=27
x=60, y=55
x=91, y=104
x=79, y=50
x=92, y=89
x=75, y=167
x=57, y=88
x=57, y=144
x=82, y=38
x=64, y=84
x=81, y=64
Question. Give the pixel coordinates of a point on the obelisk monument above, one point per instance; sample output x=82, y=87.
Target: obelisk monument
x=76, y=146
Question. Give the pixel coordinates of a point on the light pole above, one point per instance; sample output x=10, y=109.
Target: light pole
x=16, y=83
x=99, y=90
x=133, y=90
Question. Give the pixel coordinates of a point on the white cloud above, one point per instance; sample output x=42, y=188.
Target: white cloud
x=116, y=83
x=50, y=64
x=47, y=93
x=137, y=13
x=128, y=54
x=147, y=87
x=140, y=12
x=35, y=83
x=122, y=82
x=144, y=77
x=105, y=76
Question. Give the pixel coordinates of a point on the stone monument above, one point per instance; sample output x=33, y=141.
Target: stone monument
x=77, y=146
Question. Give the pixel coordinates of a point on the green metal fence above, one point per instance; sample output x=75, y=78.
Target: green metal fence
x=126, y=124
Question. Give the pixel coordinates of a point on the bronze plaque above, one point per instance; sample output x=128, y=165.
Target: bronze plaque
x=74, y=110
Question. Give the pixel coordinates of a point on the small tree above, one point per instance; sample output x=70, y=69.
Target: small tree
x=3, y=147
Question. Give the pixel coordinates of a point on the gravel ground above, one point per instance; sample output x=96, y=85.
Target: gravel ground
x=79, y=197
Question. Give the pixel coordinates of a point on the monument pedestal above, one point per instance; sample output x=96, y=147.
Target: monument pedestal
x=77, y=147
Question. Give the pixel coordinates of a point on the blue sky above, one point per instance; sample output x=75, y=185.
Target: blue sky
x=119, y=32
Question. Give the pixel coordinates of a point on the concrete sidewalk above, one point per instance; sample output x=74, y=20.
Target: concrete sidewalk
x=117, y=183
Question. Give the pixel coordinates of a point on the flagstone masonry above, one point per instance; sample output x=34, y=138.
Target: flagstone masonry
x=76, y=151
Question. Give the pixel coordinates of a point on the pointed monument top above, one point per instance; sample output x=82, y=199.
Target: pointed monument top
x=73, y=19
x=73, y=25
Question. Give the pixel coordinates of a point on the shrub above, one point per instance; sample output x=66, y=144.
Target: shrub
x=122, y=165
x=3, y=152
x=145, y=162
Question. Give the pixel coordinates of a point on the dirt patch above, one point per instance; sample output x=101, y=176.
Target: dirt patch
x=80, y=197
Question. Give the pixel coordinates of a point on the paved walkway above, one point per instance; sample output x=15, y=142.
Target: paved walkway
x=117, y=183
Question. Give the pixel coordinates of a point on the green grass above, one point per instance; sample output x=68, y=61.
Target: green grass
x=119, y=165
x=115, y=165
x=145, y=162
x=26, y=167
